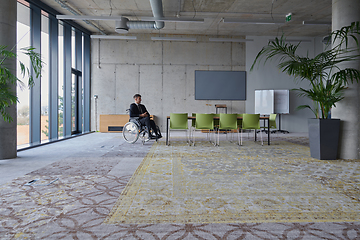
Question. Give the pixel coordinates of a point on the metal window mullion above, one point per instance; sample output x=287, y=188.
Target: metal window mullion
x=54, y=78
x=67, y=80
x=86, y=81
x=35, y=91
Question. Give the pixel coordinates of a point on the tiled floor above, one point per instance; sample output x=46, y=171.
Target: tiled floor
x=79, y=181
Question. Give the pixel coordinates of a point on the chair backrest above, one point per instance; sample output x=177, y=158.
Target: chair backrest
x=272, y=120
x=251, y=121
x=239, y=121
x=204, y=121
x=228, y=121
x=178, y=121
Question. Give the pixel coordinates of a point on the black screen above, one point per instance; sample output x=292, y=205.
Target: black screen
x=220, y=85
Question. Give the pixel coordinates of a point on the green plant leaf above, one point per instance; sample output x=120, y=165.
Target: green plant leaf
x=326, y=77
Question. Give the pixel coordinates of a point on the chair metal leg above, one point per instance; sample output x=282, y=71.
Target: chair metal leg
x=187, y=137
x=238, y=136
x=168, y=133
x=241, y=137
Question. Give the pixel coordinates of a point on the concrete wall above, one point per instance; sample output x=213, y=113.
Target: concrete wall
x=268, y=76
x=8, y=135
x=162, y=72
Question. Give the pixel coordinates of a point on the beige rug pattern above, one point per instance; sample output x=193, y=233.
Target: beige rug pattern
x=233, y=184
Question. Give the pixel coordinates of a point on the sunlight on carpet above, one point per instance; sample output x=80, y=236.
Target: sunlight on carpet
x=227, y=184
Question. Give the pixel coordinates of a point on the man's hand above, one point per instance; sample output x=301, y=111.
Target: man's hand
x=144, y=114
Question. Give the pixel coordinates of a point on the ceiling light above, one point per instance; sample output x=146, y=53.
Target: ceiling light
x=247, y=21
x=230, y=40
x=293, y=40
x=173, y=39
x=113, y=37
x=315, y=23
x=172, y=19
x=83, y=17
x=163, y=19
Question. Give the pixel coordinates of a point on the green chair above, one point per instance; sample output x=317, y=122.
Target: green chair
x=204, y=122
x=178, y=121
x=272, y=123
x=228, y=122
x=251, y=121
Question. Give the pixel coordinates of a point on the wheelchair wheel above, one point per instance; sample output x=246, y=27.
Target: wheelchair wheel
x=131, y=132
x=144, y=136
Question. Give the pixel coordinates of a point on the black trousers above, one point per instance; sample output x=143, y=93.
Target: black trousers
x=150, y=124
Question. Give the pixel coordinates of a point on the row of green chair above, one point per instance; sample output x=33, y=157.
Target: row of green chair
x=205, y=121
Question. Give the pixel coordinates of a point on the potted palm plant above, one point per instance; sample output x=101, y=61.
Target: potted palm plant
x=8, y=96
x=327, y=78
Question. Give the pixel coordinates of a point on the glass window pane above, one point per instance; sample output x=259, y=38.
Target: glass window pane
x=45, y=79
x=23, y=93
x=73, y=58
x=61, y=82
x=73, y=103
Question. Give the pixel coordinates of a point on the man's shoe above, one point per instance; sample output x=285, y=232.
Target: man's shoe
x=159, y=136
x=153, y=137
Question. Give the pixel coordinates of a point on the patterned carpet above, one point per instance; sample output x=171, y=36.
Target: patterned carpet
x=80, y=197
x=230, y=184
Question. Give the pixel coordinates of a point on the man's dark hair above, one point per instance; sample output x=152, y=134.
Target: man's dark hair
x=136, y=95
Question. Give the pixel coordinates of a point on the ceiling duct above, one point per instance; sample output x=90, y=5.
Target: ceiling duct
x=124, y=24
x=156, y=6
x=121, y=26
x=157, y=9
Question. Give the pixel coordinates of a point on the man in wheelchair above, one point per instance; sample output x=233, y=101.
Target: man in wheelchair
x=139, y=111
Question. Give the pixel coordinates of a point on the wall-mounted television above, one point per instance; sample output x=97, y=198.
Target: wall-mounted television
x=220, y=85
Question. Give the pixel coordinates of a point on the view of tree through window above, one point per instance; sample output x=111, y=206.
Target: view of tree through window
x=23, y=108
x=27, y=130
x=45, y=78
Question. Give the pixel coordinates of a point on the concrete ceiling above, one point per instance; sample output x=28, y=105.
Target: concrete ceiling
x=213, y=11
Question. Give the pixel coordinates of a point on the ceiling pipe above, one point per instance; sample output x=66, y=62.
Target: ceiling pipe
x=124, y=25
x=157, y=9
x=76, y=12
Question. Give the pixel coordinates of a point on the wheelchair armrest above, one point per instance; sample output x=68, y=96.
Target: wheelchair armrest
x=135, y=120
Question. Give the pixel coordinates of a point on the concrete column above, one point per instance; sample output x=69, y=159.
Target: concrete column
x=8, y=38
x=344, y=12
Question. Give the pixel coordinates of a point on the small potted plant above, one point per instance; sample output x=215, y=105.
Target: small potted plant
x=327, y=79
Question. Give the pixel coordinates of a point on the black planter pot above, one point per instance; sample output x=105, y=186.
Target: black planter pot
x=324, y=138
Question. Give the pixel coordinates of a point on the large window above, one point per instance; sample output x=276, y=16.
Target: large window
x=54, y=107
x=45, y=78
x=23, y=108
x=61, y=82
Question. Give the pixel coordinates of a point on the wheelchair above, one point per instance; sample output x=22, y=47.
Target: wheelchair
x=133, y=130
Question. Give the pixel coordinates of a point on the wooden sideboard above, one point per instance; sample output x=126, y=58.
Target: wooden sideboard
x=114, y=122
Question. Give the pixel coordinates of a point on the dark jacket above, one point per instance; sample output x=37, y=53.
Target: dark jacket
x=134, y=110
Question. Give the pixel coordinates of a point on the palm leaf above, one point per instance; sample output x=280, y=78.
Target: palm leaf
x=326, y=77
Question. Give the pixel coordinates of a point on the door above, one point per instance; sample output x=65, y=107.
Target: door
x=75, y=102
